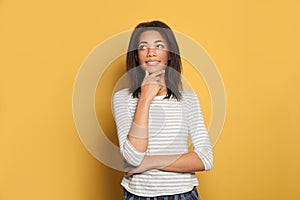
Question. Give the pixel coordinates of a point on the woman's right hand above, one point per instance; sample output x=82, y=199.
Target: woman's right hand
x=152, y=84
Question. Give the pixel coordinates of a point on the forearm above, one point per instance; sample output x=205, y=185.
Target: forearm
x=138, y=135
x=188, y=162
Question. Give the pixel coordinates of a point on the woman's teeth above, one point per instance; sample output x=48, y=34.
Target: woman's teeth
x=152, y=62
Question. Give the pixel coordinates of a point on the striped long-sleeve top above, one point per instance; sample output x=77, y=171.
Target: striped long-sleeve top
x=170, y=123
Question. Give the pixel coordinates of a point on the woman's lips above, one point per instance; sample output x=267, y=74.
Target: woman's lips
x=153, y=62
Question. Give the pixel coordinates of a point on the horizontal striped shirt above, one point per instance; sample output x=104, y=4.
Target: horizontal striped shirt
x=169, y=126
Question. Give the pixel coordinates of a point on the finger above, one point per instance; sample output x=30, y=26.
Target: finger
x=157, y=73
x=157, y=78
x=147, y=73
x=151, y=80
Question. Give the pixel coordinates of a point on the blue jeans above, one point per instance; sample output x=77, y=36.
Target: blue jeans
x=191, y=195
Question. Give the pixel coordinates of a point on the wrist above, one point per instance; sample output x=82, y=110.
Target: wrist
x=145, y=100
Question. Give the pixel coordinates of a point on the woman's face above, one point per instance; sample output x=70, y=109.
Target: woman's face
x=152, y=51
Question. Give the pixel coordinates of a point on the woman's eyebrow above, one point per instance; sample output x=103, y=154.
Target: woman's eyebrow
x=156, y=41
x=143, y=42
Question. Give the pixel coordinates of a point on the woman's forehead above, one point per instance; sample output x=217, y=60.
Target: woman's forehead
x=151, y=36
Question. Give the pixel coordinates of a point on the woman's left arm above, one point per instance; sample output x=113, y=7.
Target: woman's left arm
x=188, y=162
x=197, y=129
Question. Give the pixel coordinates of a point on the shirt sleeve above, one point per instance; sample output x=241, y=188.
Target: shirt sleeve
x=197, y=129
x=123, y=119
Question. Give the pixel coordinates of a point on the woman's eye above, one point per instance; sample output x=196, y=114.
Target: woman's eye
x=142, y=47
x=160, y=46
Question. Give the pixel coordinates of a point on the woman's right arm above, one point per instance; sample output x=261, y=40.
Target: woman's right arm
x=133, y=133
x=138, y=134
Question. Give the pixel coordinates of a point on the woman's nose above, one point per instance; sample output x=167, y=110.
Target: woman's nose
x=151, y=52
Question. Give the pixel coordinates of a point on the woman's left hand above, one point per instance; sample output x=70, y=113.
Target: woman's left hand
x=144, y=166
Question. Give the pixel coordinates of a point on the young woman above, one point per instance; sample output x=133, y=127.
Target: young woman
x=154, y=118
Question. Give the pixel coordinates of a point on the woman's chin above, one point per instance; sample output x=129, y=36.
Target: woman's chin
x=152, y=69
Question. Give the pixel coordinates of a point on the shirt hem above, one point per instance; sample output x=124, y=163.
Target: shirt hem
x=158, y=194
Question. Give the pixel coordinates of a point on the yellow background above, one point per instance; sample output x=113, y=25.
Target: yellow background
x=255, y=45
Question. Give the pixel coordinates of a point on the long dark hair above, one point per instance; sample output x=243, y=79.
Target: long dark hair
x=173, y=71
